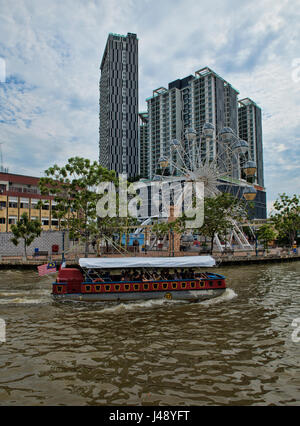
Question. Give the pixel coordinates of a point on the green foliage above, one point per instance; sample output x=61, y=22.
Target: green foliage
x=26, y=230
x=266, y=234
x=286, y=217
x=219, y=213
x=74, y=189
x=160, y=229
x=164, y=228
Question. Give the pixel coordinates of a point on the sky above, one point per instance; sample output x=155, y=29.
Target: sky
x=50, y=54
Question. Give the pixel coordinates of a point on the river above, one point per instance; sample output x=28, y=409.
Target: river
x=237, y=349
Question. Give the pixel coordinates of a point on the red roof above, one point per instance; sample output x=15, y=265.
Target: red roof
x=22, y=180
x=25, y=180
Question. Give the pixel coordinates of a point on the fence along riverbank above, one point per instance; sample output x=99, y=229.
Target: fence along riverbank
x=19, y=262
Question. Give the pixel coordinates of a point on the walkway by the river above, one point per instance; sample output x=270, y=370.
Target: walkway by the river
x=235, y=258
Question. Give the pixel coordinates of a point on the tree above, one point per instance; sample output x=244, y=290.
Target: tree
x=220, y=212
x=27, y=230
x=160, y=230
x=74, y=189
x=266, y=234
x=286, y=217
x=163, y=229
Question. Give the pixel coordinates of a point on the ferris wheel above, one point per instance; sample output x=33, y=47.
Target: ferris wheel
x=214, y=161
x=220, y=163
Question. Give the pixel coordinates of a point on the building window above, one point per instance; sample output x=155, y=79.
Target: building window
x=34, y=204
x=24, y=205
x=2, y=220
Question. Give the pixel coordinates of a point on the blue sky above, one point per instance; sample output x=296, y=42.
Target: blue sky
x=49, y=104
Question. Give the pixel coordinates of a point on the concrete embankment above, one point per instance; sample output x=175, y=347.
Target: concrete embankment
x=224, y=260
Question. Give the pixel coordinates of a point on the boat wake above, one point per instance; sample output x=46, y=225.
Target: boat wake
x=228, y=294
x=22, y=298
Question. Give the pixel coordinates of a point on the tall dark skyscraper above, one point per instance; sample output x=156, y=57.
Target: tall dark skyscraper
x=118, y=130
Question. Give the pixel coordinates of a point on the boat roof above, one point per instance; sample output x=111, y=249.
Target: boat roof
x=147, y=262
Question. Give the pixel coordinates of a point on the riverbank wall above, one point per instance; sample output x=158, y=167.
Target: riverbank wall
x=18, y=262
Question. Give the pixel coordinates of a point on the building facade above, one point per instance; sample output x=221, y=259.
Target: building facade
x=189, y=102
x=193, y=101
x=250, y=130
x=143, y=145
x=20, y=194
x=118, y=130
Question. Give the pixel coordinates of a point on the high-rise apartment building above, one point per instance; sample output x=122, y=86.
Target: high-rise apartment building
x=250, y=130
x=193, y=101
x=118, y=131
x=189, y=102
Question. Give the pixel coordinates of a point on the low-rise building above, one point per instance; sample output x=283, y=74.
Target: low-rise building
x=20, y=194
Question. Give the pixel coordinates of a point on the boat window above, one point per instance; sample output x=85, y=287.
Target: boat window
x=165, y=286
x=136, y=286
x=146, y=286
x=97, y=287
x=183, y=285
x=174, y=285
x=87, y=288
x=127, y=287
x=155, y=286
x=201, y=283
x=117, y=287
x=210, y=283
x=107, y=288
x=192, y=285
x=59, y=289
x=219, y=282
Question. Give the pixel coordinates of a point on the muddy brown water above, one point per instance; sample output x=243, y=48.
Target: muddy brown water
x=237, y=349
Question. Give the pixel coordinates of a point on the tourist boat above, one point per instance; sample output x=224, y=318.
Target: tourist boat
x=135, y=278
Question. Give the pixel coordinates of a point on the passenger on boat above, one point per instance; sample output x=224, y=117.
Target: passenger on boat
x=146, y=278
x=166, y=275
x=91, y=275
x=106, y=277
x=155, y=276
x=137, y=276
x=98, y=280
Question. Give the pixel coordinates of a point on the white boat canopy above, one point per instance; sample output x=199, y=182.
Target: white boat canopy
x=147, y=262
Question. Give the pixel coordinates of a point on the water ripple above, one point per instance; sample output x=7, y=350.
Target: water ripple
x=233, y=350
